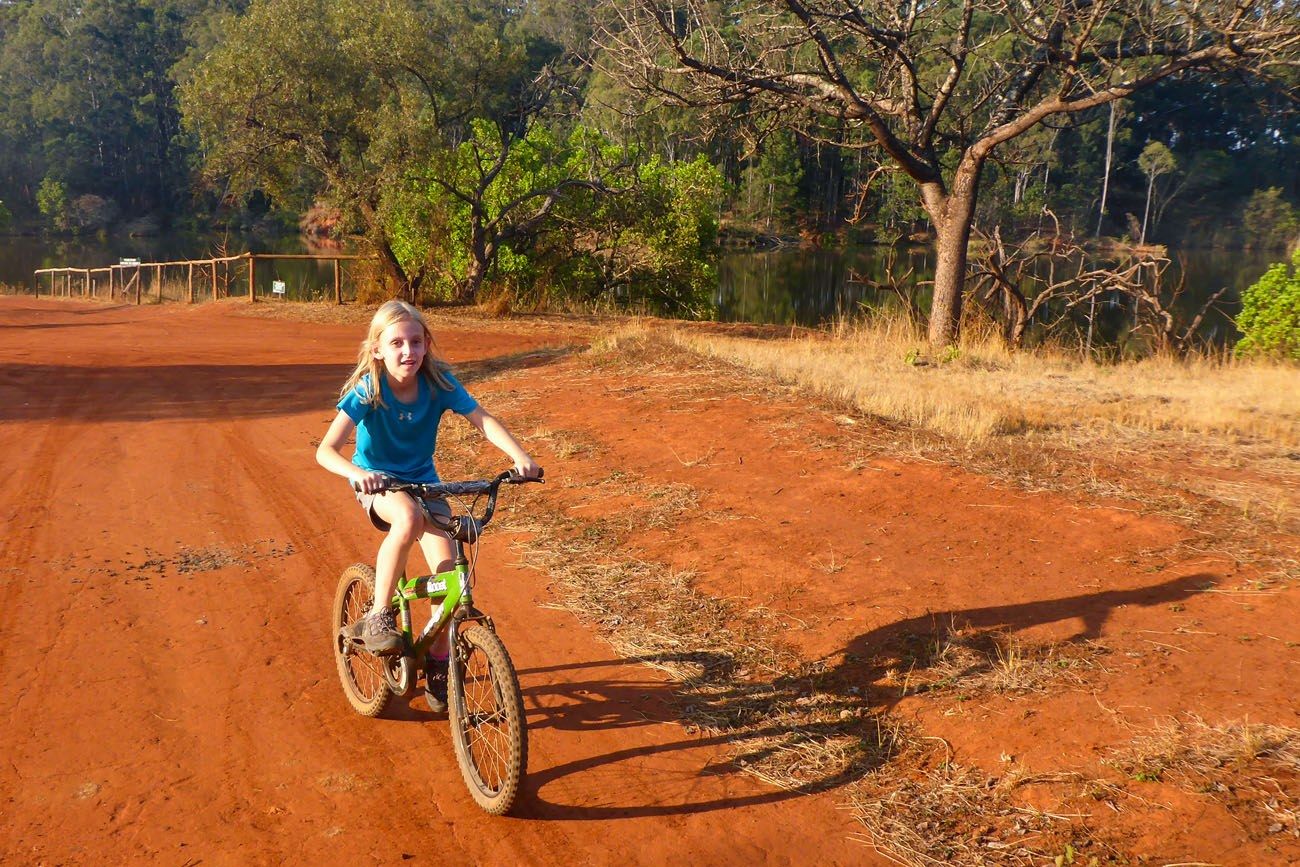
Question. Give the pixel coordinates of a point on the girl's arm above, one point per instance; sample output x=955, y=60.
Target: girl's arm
x=329, y=456
x=497, y=434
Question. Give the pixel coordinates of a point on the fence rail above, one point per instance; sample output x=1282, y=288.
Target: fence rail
x=124, y=279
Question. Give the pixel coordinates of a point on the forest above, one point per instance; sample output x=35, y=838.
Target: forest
x=599, y=150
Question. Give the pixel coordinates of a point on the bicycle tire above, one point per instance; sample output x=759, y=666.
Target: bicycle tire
x=487, y=719
x=362, y=674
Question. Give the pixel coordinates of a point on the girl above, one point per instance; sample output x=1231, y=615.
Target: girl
x=394, y=400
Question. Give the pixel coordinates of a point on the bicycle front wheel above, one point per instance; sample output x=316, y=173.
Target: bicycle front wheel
x=487, y=719
x=361, y=673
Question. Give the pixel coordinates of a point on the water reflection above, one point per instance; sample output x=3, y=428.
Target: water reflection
x=810, y=287
x=788, y=286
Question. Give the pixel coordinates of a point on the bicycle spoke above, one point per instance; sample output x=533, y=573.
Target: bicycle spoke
x=364, y=667
x=486, y=723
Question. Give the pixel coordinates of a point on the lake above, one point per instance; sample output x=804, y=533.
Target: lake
x=784, y=286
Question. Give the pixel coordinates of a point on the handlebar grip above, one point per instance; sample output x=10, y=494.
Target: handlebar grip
x=513, y=477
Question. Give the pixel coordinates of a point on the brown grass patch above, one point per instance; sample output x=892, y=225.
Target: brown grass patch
x=1253, y=768
x=969, y=662
x=923, y=810
x=984, y=390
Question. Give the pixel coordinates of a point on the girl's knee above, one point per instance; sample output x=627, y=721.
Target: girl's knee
x=406, y=525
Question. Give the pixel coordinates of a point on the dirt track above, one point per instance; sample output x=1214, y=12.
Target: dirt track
x=170, y=550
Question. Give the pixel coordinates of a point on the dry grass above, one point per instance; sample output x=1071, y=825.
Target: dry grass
x=564, y=444
x=970, y=662
x=923, y=810
x=984, y=391
x=1246, y=765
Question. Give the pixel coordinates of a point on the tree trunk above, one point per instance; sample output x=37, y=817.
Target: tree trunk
x=467, y=291
x=392, y=268
x=953, y=215
x=481, y=254
x=1147, y=210
x=1105, y=181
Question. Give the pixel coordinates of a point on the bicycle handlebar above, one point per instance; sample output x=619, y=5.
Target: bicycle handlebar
x=460, y=528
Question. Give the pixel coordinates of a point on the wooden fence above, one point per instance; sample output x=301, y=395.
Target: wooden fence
x=125, y=279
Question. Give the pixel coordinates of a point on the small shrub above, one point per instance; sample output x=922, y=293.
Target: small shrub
x=1268, y=220
x=1270, y=313
x=52, y=199
x=90, y=213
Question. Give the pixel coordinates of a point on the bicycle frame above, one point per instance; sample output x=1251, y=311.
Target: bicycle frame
x=446, y=591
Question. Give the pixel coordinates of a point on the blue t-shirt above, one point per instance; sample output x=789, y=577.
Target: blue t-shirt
x=399, y=439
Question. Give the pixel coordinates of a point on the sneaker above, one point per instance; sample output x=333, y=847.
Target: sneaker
x=377, y=632
x=435, y=684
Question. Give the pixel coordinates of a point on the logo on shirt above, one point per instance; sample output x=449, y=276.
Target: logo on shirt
x=406, y=416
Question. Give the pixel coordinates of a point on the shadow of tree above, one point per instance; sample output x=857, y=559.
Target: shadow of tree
x=827, y=720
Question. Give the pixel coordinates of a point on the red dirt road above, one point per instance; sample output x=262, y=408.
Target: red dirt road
x=170, y=549
x=158, y=707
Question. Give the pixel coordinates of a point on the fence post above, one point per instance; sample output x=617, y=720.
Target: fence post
x=214, y=279
x=157, y=281
x=190, y=284
x=338, y=284
x=252, y=276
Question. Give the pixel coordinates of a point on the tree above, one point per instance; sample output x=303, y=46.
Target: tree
x=85, y=95
x=486, y=196
x=1110, y=152
x=52, y=200
x=354, y=102
x=771, y=182
x=1156, y=160
x=1268, y=220
x=936, y=87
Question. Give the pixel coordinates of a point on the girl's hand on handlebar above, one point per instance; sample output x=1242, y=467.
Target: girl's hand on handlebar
x=369, y=483
x=528, y=468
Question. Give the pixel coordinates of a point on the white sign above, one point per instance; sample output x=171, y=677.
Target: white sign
x=277, y=286
x=128, y=262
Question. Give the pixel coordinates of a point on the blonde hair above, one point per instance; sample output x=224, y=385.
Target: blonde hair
x=434, y=367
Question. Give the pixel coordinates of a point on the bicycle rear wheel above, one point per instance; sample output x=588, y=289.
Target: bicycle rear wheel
x=487, y=719
x=361, y=673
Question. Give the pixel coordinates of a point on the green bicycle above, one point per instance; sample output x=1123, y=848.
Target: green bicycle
x=486, y=709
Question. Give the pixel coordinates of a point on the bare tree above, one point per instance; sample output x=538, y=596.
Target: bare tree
x=936, y=86
x=1048, y=277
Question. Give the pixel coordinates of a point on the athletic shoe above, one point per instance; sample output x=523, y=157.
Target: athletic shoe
x=377, y=632
x=435, y=684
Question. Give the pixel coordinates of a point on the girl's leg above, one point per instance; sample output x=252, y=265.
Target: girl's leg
x=439, y=553
x=407, y=524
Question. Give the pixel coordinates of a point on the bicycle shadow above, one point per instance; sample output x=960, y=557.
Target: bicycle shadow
x=624, y=705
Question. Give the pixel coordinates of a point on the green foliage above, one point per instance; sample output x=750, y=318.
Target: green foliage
x=1270, y=313
x=651, y=243
x=52, y=200
x=1268, y=220
x=475, y=195
x=1157, y=159
x=770, y=187
x=5, y=217
x=85, y=96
